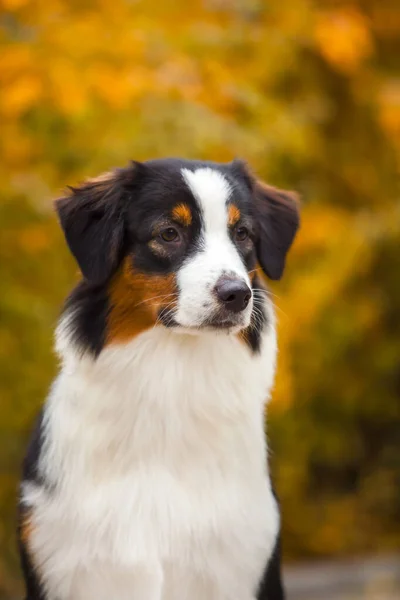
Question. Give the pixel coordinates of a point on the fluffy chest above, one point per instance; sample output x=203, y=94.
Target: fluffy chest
x=162, y=542
x=164, y=534
x=168, y=468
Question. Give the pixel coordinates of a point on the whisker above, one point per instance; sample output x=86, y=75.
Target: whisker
x=278, y=308
x=281, y=311
x=257, y=301
x=158, y=321
x=258, y=321
x=155, y=298
x=266, y=292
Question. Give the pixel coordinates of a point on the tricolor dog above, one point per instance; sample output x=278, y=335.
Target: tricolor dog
x=147, y=476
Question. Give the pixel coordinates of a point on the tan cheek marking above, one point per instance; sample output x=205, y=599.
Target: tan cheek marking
x=233, y=215
x=182, y=214
x=242, y=336
x=135, y=300
x=26, y=529
x=254, y=272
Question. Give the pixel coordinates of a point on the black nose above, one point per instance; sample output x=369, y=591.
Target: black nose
x=234, y=293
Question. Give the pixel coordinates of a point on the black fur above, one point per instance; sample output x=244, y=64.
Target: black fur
x=271, y=587
x=33, y=588
x=30, y=473
x=30, y=465
x=89, y=305
x=161, y=188
x=277, y=218
x=258, y=318
x=93, y=227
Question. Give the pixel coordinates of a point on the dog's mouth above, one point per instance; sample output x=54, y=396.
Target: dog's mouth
x=218, y=321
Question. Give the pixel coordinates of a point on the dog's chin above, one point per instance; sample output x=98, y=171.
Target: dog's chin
x=230, y=325
x=206, y=329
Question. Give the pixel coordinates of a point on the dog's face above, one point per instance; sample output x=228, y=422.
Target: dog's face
x=178, y=243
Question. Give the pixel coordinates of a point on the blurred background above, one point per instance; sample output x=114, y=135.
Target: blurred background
x=309, y=93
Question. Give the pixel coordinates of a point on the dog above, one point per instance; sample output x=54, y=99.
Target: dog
x=146, y=477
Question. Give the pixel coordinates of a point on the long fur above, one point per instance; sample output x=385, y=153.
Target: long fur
x=147, y=474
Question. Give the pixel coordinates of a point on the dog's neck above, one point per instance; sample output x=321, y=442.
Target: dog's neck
x=160, y=361
x=159, y=397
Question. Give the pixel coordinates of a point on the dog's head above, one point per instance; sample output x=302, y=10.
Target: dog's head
x=178, y=243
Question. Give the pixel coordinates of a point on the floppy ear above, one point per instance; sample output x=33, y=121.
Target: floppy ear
x=93, y=220
x=277, y=216
x=277, y=212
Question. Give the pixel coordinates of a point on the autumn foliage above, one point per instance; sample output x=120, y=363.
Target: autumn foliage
x=309, y=93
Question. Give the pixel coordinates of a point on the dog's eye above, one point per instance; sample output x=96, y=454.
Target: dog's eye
x=170, y=234
x=241, y=234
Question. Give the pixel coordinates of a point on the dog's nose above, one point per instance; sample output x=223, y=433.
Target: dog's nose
x=234, y=293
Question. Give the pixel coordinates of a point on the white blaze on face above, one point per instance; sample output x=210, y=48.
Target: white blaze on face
x=216, y=255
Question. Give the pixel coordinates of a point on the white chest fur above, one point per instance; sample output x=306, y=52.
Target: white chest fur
x=157, y=457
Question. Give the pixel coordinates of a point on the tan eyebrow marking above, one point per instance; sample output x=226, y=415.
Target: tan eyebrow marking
x=182, y=214
x=233, y=215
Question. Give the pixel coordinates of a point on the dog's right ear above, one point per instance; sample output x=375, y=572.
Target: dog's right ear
x=277, y=215
x=92, y=217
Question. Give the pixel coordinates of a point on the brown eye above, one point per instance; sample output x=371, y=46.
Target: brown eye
x=170, y=235
x=241, y=234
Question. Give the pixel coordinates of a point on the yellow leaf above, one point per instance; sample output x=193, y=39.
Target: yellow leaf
x=20, y=95
x=34, y=239
x=17, y=147
x=68, y=87
x=343, y=38
x=15, y=60
x=389, y=112
x=13, y=4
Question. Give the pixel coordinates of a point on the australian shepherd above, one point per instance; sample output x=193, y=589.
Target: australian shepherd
x=146, y=477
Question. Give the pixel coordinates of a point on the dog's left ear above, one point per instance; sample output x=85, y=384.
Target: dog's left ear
x=92, y=217
x=277, y=217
